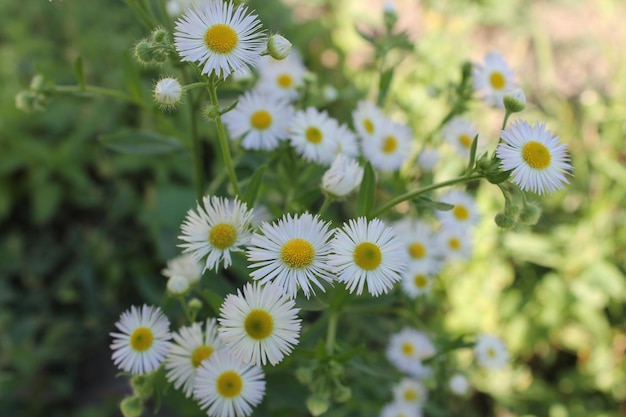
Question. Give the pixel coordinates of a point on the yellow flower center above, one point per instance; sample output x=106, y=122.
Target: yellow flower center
x=261, y=119
x=229, y=384
x=407, y=349
x=199, y=354
x=390, y=144
x=417, y=251
x=454, y=243
x=410, y=395
x=285, y=80
x=297, y=253
x=259, y=324
x=313, y=135
x=536, y=155
x=141, y=339
x=221, y=38
x=465, y=140
x=491, y=352
x=222, y=236
x=367, y=256
x=420, y=281
x=369, y=126
x=497, y=80
x=460, y=212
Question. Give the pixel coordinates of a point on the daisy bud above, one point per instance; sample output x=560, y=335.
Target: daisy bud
x=389, y=14
x=143, y=52
x=343, y=177
x=131, y=407
x=29, y=101
x=515, y=101
x=530, y=214
x=341, y=393
x=177, y=285
x=194, y=304
x=168, y=93
x=142, y=386
x=278, y=47
x=504, y=221
x=160, y=35
x=317, y=403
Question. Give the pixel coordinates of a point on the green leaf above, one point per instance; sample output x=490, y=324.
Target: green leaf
x=79, y=72
x=425, y=202
x=383, y=85
x=472, y=160
x=140, y=143
x=365, y=36
x=132, y=77
x=229, y=108
x=365, y=199
x=213, y=300
x=252, y=190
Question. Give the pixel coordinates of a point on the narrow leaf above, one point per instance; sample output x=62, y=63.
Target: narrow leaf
x=252, y=190
x=365, y=36
x=472, y=160
x=425, y=202
x=230, y=107
x=365, y=199
x=79, y=72
x=132, y=78
x=140, y=142
x=383, y=85
x=213, y=300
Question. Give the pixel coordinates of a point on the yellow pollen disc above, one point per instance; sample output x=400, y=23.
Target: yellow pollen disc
x=454, y=243
x=223, y=235
x=313, y=135
x=417, y=251
x=259, y=324
x=465, y=140
x=420, y=281
x=261, y=120
x=497, y=80
x=368, y=125
x=199, y=354
x=367, y=256
x=460, y=212
x=141, y=339
x=297, y=253
x=229, y=384
x=491, y=353
x=285, y=80
x=221, y=38
x=536, y=155
x=410, y=395
x=407, y=349
x=390, y=144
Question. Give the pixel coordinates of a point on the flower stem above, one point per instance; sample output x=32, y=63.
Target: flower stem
x=90, y=90
x=331, y=331
x=412, y=194
x=325, y=204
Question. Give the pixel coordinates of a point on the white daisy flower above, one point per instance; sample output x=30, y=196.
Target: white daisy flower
x=464, y=214
x=390, y=147
x=227, y=387
x=292, y=253
x=281, y=78
x=213, y=232
x=456, y=243
x=314, y=135
x=459, y=133
x=416, y=281
x=428, y=159
x=142, y=341
x=168, y=93
x=408, y=348
x=493, y=79
x=343, y=177
x=259, y=325
x=410, y=391
x=220, y=37
x=367, y=253
x=491, y=352
x=191, y=347
x=176, y=7
x=347, y=143
x=367, y=119
x=183, y=266
x=261, y=120
x=177, y=285
x=539, y=163
x=424, y=251
x=459, y=384
x=396, y=409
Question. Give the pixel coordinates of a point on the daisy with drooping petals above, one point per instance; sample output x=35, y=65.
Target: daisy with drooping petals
x=314, y=135
x=410, y=391
x=408, y=348
x=459, y=133
x=191, y=347
x=367, y=253
x=260, y=120
x=536, y=159
x=390, y=147
x=142, y=341
x=260, y=324
x=367, y=119
x=212, y=232
x=464, y=213
x=424, y=250
x=227, y=387
x=343, y=177
x=220, y=37
x=292, y=253
x=281, y=78
x=491, y=352
x=493, y=79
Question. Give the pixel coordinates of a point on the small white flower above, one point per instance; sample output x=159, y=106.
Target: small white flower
x=428, y=159
x=459, y=384
x=424, y=250
x=260, y=324
x=346, y=141
x=226, y=387
x=459, y=133
x=343, y=177
x=314, y=135
x=142, y=341
x=367, y=119
x=464, y=214
x=456, y=243
x=177, y=285
x=396, y=409
x=260, y=120
x=536, y=159
x=184, y=266
x=410, y=391
x=367, y=253
x=416, y=281
x=491, y=352
x=220, y=37
x=278, y=47
x=390, y=147
x=493, y=78
x=174, y=8
x=212, y=232
x=408, y=348
x=292, y=253
x=168, y=93
x=515, y=100
x=191, y=347
x=281, y=78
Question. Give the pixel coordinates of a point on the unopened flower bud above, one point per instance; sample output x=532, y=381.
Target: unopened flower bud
x=317, y=403
x=160, y=35
x=131, y=407
x=530, y=214
x=278, y=47
x=504, y=220
x=515, y=101
x=343, y=177
x=390, y=14
x=168, y=93
x=142, y=386
x=194, y=304
x=143, y=52
x=177, y=285
x=342, y=393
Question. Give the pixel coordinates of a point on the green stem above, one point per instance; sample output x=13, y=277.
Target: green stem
x=186, y=310
x=412, y=194
x=197, y=154
x=325, y=204
x=194, y=85
x=506, y=119
x=331, y=331
x=89, y=90
x=223, y=141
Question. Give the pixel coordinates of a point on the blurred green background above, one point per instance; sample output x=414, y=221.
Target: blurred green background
x=85, y=231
